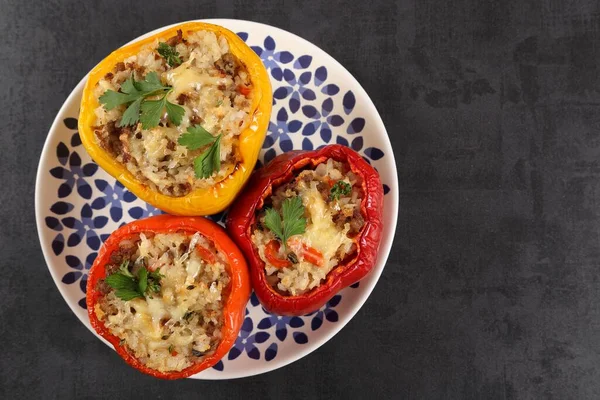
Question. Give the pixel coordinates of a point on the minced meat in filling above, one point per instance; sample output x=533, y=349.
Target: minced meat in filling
x=211, y=85
x=331, y=200
x=177, y=320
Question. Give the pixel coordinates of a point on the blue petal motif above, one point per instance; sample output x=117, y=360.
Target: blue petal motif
x=244, y=37
x=277, y=73
x=325, y=133
x=310, y=128
x=136, y=212
x=65, y=189
x=71, y=277
x=219, y=366
x=265, y=323
x=335, y=120
x=269, y=141
x=296, y=322
x=254, y=300
x=62, y=153
x=59, y=172
x=349, y=102
x=300, y=337
x=331, y=315
x=330, y=89
x=234, y=353
x=261, y=337
x=307, y=144
x=320, y=75
x=356, y=126
x=75, y=160
x=310, y=112
x=308, y=94
x=258, y=50
x=82, y=304
x=269, y=155
x=84, y=189
x=386, y=189
x=357, y=143
x=374, y=153
x=341, y=140
x=61, y=207
x=254, y=353
x=70, y=123
x=271, y=352
x=327, y=106
x=58, y=244
x=281, y=334
x=294, y=126
x=286, y=145
x=335, y=300
x=75, y=140
x=303, y=62
x=53, y=223
x=282, y=92
x=284, y=57
x=269, y=43
x=73, y=262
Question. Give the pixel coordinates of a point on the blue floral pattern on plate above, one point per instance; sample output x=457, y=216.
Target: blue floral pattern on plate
x=310, y=110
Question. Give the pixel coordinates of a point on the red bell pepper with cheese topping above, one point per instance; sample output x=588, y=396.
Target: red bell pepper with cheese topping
x=242, y=221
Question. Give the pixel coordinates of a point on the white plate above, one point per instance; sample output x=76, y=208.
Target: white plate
x=316, y=102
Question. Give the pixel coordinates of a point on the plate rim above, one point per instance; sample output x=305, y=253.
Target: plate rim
x=374, y=274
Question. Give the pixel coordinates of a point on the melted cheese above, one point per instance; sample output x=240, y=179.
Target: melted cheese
x=186, y=78
x=322, y=233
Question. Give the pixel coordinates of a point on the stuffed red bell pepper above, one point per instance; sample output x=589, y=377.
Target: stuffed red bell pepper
x=169, y=293
x=309, y=224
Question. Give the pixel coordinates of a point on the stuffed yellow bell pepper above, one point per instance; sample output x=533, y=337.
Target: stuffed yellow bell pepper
x=179, y=117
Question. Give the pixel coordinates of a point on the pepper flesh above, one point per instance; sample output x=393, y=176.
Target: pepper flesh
x=202, y=201
x=237, y=292
x=282, y=169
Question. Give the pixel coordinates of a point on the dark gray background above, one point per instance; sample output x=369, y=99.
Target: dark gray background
x=492, y=289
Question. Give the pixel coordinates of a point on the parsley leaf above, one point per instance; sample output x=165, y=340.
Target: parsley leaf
x=209, y=161
x=150, y=84
x=152, y=110
x=111, y=99
x=134, y=93
x=129, y=287
x=175, y=112
x=273, y=222
x=143, y=280
x=196, y=137
x=340, y=188
x=120, y=281
x=293, y=222
x=169, y=53
x=132, y=115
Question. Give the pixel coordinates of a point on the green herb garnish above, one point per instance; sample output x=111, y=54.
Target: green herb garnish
x=340, y=188
x=129, y=287
x=134, y=94
x=169, y=53
x=209, y=161
x=293, y=222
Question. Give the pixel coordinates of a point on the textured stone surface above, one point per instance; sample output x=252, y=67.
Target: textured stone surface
x=492, y=288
